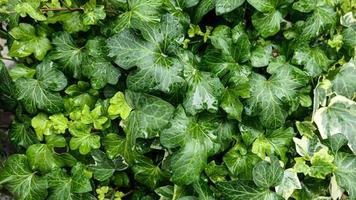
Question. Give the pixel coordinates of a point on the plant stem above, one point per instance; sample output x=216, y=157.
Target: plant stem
x=60, y=9
x=3, y=58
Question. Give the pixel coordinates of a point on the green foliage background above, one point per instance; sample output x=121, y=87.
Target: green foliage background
x=180, y=99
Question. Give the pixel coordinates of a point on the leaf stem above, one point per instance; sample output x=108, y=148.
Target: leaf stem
x=3, y=58
x=61, y=9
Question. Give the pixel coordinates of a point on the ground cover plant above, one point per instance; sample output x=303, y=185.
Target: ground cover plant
x=179, y=99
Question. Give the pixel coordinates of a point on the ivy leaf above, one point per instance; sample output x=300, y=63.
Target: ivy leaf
x=68, y=54
x=314, y=60
x=27, y=42
x=30, y=8
x=42, y=93
x=118, y=106
x=93, y=13
x=268, y=97
x=104, y=168
x=342, y=83
x=100, y=72
x=157, y=70
x=289, y=184
x=338, y=117
x=72, y=21
x=21, y=134
x=7, y=88
x=273, y=142
x=240, y=189
x=138, y=11
x=197, y=141
x=21, y=181
x=231, y=104
x=147, y=173
x=323, y=17
x=225, y=6
x=82, y=138
x=94, y=117
x=43, y=158
x=204, y=89
x=346, y=172
x=266, y=175
x=240, y=161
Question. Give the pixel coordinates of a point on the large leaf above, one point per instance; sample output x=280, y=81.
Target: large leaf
x=266, y=175
x=7, y=94
x=346, y=172
x=157, y=69
x=41, y=93
x=42, y=157
x=343, y=83
x=338, y=117
x=235, y=190
x=225, y=6
x=21, y=181
x=27, y=42
x=197, y=140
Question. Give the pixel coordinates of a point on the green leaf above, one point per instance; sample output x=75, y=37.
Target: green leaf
x=268, y=174
x=238, y=189
x=21, y=134
x=30, y=8
x=93, y=13
x=267, y=24
x=289, y=184
x=263, y=5
x=346, y=172
x=202, y=9
x=216, y=173
x=338, y=117
x=100, y=72
x=21, y=71
x=232, y=105
x=68, y=54
x=314, y=60
x=17, y=177
x=240, y=161
x=138, y=12
x=343, y=83
x=204, y=90
x=118, y=106
x=94, y=117
x=261, y=56
x=65, y=187
x=147, y=173
x=197, y=140
x=7, y=95
x=82, y=138
x=42, y=93
x=72, y=21
x=157, y=70
x=225, y=6
x=43, y=158
x=274, y=142
x=268, y=97
x=27, y=42
x=104, y=167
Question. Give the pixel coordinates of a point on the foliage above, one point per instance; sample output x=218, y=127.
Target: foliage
x=180, y=99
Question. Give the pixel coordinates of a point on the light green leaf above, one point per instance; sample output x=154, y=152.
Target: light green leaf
x=118, y=106
x=21, y=71
x=231, y=104
x=27, y=42
x=30, y=8
x=338, y=117
x=104, y=167
x=94, y=117
x=43, y=158
x=261, y=56
x=17, y=177
x=82, y=138
x=93, y=13
x=72, y=21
